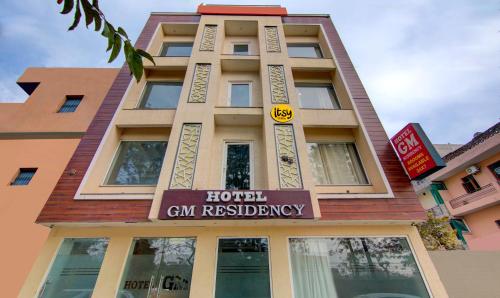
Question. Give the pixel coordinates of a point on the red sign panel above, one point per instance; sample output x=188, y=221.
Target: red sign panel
x=235, y=204
x=253, y=10
x=418, y=155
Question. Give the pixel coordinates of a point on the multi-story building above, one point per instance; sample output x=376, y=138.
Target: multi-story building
x=37, y=139
x=468, y=190
x=248, y=162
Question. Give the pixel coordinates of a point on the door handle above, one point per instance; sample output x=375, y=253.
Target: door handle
x=151, y=281
x=159, y=286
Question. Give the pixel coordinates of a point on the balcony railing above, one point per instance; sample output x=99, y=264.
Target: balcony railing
x=473, y=197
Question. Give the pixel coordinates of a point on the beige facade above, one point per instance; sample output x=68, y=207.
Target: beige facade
x=197, y=130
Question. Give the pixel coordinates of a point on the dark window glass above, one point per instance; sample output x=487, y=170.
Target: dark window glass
x=238, y=166
x=470, y=184
x=498, y=222
x=24, y=177
x=243, y=268
x=240, y=49
x=240, y=95
x=137, y=163
x=304, y=50
x=75, y=269
x=495, y=169
x=163, y=95
x=177, y=49
x=355, y=268
x=312, y=96
x=70, y=104
x=158, y=267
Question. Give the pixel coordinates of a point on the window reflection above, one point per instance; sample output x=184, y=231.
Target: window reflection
x=238, y=166
x=355, y=267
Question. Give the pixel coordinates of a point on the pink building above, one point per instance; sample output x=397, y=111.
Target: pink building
x=471, y=190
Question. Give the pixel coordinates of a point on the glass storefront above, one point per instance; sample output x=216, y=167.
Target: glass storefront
x=372, y=267
x=158, y=267
x=243, y=268
x=75, y=269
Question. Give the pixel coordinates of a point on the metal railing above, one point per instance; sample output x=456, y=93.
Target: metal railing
x=473, y=197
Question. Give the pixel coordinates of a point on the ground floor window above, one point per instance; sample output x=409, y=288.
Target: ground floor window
x=243, y=268
x=354, y=268
x=75, y=269
x=158, y=267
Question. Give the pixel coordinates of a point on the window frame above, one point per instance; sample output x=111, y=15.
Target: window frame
x=70, y=97
x=241, y=44
x=470, y=180
x=492, y=168
x=326, y=84
x=315, y=45
x=145, y=90
x=166, y=44
x=406, y=237
x=229, y=93
x=19, y=173
x=226, y=144
x=104, y=182
x=368, y=181
x=240, y=237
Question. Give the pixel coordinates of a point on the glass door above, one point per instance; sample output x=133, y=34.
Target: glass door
x=158, y=267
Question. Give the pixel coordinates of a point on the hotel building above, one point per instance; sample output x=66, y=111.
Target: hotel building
x=247, y=162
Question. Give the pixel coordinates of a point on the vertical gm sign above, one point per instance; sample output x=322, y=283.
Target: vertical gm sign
x=416, y=152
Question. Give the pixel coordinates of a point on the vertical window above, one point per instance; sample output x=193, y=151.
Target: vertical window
x=470, y=184
x=355, y=267
x=495, y=169
x=137, y=163
x=161, y=95
x=237, y=170
x=497, y=222
x=243, y=268
x=70, y=104
x=240, y=95
x=24, y=176
x=240, y=49
x=158, y=267
x=304, y=50
x=75, y=269
x=317, y=96
x=181, y=49
x=336, y=163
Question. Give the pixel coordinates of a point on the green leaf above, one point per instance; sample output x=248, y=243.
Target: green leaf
x=138, y=67
x=146, y=55
x=95, y=3
x=97, y=22
x=78, y=15
x=122, y=32
x=68, y=6
x=109, y=33
x=89, y=12
x=117, y=46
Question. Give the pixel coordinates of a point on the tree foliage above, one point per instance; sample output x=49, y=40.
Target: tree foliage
x=437, y=234
x=117, y=38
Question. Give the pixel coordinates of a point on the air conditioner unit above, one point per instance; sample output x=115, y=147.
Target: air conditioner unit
x=472, y=170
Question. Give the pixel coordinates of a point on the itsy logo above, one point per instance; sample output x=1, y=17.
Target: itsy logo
x=282, y=113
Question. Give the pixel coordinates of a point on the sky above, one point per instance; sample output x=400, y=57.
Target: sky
x=435, y=62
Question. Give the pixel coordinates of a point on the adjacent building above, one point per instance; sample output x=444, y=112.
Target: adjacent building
x=37, y=139
x=247, y=162
x=468, y=191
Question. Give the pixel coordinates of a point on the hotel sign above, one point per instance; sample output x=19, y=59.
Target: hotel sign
x=416, y=152
x=235, y=204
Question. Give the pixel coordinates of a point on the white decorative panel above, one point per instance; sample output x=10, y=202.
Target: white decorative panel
x=185, y=161
x=199, y=86
x=278, y=84
x=288, y=163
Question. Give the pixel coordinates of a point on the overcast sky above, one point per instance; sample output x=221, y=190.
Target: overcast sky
x=433, y=62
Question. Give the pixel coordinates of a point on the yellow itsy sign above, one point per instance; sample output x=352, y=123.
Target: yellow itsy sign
x=282, y=113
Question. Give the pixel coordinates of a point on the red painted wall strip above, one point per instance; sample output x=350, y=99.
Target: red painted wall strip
x=242, y=10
